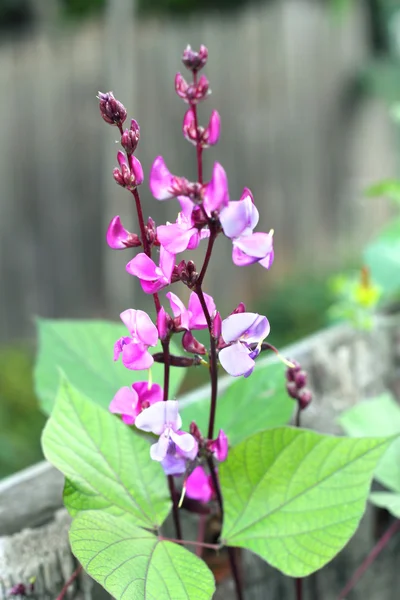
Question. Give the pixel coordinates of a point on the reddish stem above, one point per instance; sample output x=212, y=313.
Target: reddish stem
x=367, y=562
x=192, y=543
x=299, y=588
x=211, y=240
x=200, y=535
x=71, y=580
x=145, y=242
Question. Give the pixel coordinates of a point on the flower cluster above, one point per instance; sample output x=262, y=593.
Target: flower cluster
x=206, y=211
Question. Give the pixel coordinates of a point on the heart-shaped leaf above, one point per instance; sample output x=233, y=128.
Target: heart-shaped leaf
x=83, y=350
x=378, y=417
x=247, y=405
x=108, y=466
x=296, y=497
x=133, y=564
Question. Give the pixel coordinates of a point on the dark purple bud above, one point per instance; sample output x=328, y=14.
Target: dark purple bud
x=177, y=361
x=291, y=371
x=112, y=111
x=18, y=590
x=130, y=137
x=292, y=390
x=190, y=344
x=151, y=230
x=190, y=267
x=195, y=431
x=194, y=61
x=304, y=398
x=300, y=379
x=241, y=308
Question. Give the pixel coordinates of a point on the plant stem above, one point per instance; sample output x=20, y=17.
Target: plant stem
x=367, y=562
x=192, y=543
x=211, y=240
x=199, y=149
x=175, y=508
x=146, y=246
x=165, y=347
x=201, y=534
x=299, y=588
x=74, y=576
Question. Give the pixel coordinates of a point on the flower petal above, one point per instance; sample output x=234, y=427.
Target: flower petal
x=197, y=319
x=136, y=357
x=167, y=263
x=236, y=325
x=216, y=195
x=145, y=329
x=235, y=359
x=178, y=309
x=153, y=419
x=174, y=238
x=159, y=450
x=258, y=245
x=160, y=180
x=219, y=447
x=239, y=218
x=151, y=394
x=258, y=330
x=174, y=464
x=185, y=442
x=198, y=485
x=125, y=402
x=117, y=236
x=143, y=267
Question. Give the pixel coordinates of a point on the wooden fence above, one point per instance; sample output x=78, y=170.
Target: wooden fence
x=279, y=76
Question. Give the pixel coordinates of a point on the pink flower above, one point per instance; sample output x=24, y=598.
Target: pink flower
x=213, y=130
x=199, y=485
x=130, y=173
x=152, y=277
x=134, y=349
x=206, y=137
x=182, y=235
x=164, y=420
x=163, y=184
x=216, y=195
x=130, y=401
x=193, y=317
x=240, y=331
x=119, y=238
x=219, y=446
x=238, y=219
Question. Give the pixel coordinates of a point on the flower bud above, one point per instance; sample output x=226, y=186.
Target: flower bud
x=190, y=344
x=130, y=174
x=188, y=127
x=219, y=446
x=202, y=88
x=300, y=379
x=151, y=230
x=216, y=326
x=241, y=308
x=119, y=238
x=195, y=431
x=291, y=389
x=194, y=61
x=210, y=136
x=181, y=86
x=130, y=137
x=163, y=324
x=304, y=398
x=112, y=111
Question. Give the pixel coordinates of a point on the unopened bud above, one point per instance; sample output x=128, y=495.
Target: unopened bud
x=130, y=174
x=195, y=431
x=181, y=86
x=300, y=379
x=130, y=137
x=216, y=326
x=112, y=111
x=151, y=230
x=241, y=308
x=190, y=344
x=210, y=136
x=292, y=390
x=304, y=398
x=163, y=323
x=194, y=61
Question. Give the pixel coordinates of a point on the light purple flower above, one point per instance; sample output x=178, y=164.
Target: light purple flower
x=182, y=235
x=119, y=238
x=164, y=420
x=152, y=277
x=219, y=446
x=239, y=331
x=238, y=220
x=199, y=485
x=134, y=349
x=192, y=317
x=130, y=401
x=163, y=184
x=216, y=195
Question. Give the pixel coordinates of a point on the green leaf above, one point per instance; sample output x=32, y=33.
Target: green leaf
x=133, y=564
x=83, y=350
x=378, y=417
x=382, y=256
x=387, y=500
x=296, y=497
x=108, y=466
x=247, y=406
x=388, y=187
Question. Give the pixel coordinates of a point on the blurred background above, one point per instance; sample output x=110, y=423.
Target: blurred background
x=303, y=89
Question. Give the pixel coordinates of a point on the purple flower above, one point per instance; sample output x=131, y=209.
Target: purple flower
x=238, y=220
x=219, y=446
x=193, y=317
x=163, y=184
x=130, y=401
x=163, y=419
x=239, y=331
x=152, y=277
x=119, y=238
x=199, y=485
x=130, y=173
x=134, y=349
x=182, y=235
x=216, y=195
x=206, y=137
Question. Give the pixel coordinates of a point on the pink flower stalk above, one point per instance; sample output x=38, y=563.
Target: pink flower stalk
x=238, y=219
x=163, y=419
x=112, y=111
x=194, y=61
x=240, y=331
x=206, y=137
x=143, y=334
x=119, y=238
x=216, y=195
x=199, y=485
x=219, y=446
x=130, y=173
x=185, y=234
x=152, y=278
x=130, y=401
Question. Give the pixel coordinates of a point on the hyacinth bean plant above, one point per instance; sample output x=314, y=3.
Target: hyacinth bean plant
x=132, y=454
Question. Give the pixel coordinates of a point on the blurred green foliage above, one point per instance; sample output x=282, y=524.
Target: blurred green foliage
x=21, y=423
